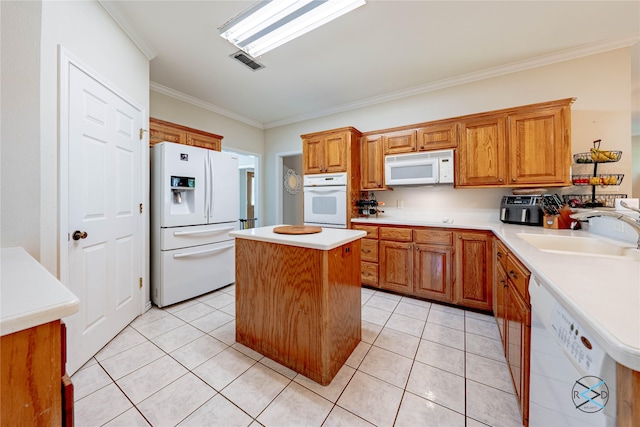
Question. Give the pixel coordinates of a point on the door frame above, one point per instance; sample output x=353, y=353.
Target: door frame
x=65, y=60
x=258, y=210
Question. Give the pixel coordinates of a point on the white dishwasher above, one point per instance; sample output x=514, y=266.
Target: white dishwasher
x=573, y=379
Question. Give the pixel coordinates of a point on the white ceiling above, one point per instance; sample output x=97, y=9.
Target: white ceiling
x=383, y=50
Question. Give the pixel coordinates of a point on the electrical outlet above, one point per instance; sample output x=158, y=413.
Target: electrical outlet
x=400, y=204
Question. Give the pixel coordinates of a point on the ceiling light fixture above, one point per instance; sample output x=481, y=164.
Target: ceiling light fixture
x=271, y=23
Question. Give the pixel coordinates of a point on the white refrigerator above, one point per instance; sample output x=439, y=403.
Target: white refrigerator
x=194, y=206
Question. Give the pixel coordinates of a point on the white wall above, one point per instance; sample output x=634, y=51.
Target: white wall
x=87, y=32
x=20, y=131
x=601, y=83
x=237, y=136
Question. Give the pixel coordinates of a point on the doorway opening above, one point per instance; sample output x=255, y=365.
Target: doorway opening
x=289, y=207
x=249, y=179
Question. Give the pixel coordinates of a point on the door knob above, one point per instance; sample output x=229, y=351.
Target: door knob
x=77, y=235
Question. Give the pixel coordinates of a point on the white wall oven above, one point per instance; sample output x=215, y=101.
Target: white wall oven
x=325, y=200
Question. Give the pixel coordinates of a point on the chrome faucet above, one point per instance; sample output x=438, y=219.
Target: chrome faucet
x=633, y=222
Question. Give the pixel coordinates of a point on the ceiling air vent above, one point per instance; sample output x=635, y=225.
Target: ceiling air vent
x=247, y=60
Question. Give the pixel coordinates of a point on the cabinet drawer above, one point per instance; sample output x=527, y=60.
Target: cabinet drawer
x=372, y=231
x=433, y=237
x=369, y=274
x=369, y=250
x=501, y=254
x=397, y=234
x=519, y=276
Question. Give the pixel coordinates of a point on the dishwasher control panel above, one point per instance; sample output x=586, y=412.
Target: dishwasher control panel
x=583, y=350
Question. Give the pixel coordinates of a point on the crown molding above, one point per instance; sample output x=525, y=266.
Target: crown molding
x=203, y=104
x=540, y=61
x=566, y=55
x=147, y=50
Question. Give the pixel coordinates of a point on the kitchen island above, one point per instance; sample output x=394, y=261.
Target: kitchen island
x=298, y=297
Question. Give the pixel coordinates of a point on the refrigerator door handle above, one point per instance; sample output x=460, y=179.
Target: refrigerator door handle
x=211, y=189
x=189, y=233
x=206, y=190
x=208, y=251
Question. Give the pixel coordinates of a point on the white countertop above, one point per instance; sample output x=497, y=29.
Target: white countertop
x=602, y=293
x=30, y=295
x=325, y=240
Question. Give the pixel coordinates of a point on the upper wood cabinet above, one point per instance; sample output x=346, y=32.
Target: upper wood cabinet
x=539, y=147
x=160, y=130
x=481, y=156
x=438, y=136
x=371, y=163
x=332, y=151
x=403, y=141
x=518, y=147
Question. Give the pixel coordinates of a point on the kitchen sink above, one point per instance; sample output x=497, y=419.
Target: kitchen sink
x=577, y=245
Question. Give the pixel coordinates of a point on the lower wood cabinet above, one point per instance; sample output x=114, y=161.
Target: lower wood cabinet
x=35, y=388
x=432, y=272
x=446, y=265
x=512, y=310
x=473, y=269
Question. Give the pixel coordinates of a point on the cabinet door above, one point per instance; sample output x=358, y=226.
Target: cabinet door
x=473, y=270
x=203, y=141
x=399, y=142
x=518, y=319
x=539, y=150
x=313, y=155
x=159, y=133
x=499, y=291
x=369, y=274
x=395, y=266
x=371, y=163
x=481, y=157
x=438, y=136
x=432, y=272
x=369, y=250
x=335, y=153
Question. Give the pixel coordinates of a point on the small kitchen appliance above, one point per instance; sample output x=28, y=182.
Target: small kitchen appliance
x=526, y=210
x=424, y=168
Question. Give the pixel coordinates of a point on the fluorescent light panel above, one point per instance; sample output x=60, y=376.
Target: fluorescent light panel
x=271, y=23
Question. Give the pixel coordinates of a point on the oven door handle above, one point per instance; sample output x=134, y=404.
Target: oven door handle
x=326, y=190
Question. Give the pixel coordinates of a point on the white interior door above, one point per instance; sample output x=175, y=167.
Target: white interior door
x=104, y=193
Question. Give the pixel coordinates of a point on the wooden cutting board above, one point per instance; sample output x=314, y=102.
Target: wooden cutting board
x=297, y=229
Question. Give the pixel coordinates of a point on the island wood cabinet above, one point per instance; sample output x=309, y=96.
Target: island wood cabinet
x=160, y=130
x=331, y=151
x=420, y=261
x=512, y=311
x=371, y=163
x=518, y=147
x=300, y=307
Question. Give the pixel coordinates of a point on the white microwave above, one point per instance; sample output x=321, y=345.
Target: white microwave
x=429, y=167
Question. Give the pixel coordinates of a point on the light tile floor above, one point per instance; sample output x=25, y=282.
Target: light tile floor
x=419, y=364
